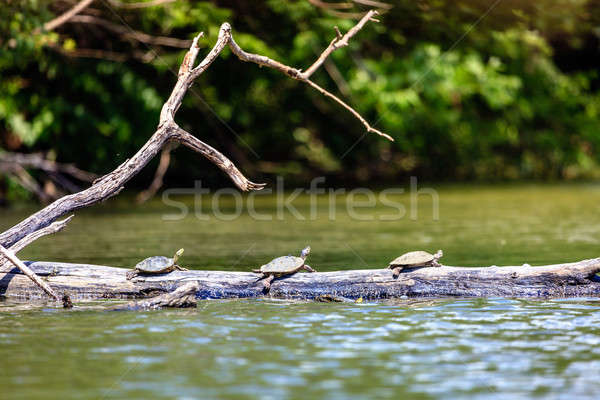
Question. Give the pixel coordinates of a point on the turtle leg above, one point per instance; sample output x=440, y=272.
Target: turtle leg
x=177, y=267
x=434, y=263
x=396, y=272
x=308, y=268
x=131, y=274
x=267, y=283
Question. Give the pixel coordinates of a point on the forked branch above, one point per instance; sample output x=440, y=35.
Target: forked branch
x=339, y=41
x=50, y=229
x=61, y=19
x=169, y=131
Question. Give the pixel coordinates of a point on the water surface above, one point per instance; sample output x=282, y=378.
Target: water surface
x=431, y=349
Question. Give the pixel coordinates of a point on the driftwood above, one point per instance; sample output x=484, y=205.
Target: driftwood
x=24, y=269
x=182, y=297
x=95, y=282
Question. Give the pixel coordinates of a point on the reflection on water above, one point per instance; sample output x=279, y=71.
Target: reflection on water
x=447, y=348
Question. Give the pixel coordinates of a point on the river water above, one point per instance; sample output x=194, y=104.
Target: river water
x=495, y=348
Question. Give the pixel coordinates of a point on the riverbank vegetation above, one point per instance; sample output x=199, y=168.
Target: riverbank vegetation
x=468, y=90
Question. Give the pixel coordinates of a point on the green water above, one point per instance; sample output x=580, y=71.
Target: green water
x=445, y=348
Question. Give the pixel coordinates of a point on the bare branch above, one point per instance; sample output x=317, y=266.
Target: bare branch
x=52, y=228
x=345, y=15
x=335, y=6
x=143, y=4
x=347, y=107
x=336, y=76
x=187, y=139
x=157, y=182
x=61, y=19
x=38, y=161
x=296, y=73
x=100, y=54
x=25, y=269
x=190, y=57
x=168, y=130
x=127, y=33
x=372, y=3
x=262, y=60
x=27, y=182
x=337, y=42
x=14, y=164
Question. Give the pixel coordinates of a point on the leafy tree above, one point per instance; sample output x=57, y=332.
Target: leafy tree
x=467, y=91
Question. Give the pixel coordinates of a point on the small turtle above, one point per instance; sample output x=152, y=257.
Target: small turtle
x=156, y=265
x=415, y=259
x=281, y=266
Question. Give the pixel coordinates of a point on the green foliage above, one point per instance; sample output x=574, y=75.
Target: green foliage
x=504, y=112
x=504, y=102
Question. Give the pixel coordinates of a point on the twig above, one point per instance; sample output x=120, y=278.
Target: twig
x=372, y=3
x=127, y=33
x=157, y=182
x=25, y=269
x=303, y=77
x=27, y=182
x=344, y=15
x=347, y=107
x=37, y=161
x=63, y=182
x=328, y=6
x=168, y=130
x=144, y=4
x=52, y=228
x=14, y=164
x=337, y=77
x=61, y=19
x=104, y=54
x=337, y=42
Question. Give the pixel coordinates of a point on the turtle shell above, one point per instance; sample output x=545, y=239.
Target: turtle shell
x=155, y=264
x=283, y=265
x=413, y=258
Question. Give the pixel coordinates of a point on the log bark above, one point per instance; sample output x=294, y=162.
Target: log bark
x=95, y=282
x=25, y=270
x=182, y=297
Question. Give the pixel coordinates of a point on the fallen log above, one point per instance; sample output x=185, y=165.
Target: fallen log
x=84, y=282
x=182, y=297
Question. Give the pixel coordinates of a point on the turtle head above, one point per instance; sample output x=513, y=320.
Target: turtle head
x=439, y=254
x=305, y=252
x=177, y=255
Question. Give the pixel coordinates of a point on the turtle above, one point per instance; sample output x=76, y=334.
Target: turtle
x=415, y=259
x=156, y=265
x=282, y=266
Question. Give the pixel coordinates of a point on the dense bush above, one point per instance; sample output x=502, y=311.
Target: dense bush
x=511, y=95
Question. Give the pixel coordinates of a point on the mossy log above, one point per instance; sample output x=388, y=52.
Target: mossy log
x=83, y=281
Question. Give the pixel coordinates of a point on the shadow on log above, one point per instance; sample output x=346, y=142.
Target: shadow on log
x=83, y=282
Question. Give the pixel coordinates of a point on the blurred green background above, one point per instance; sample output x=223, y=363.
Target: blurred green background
x=470, y=90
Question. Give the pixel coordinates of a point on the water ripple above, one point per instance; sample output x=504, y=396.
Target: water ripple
x=448, y=348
